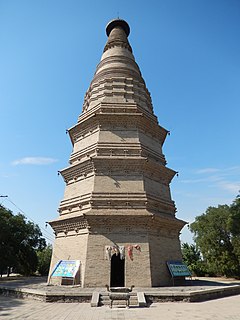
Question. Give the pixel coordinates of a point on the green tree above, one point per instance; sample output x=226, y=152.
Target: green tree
x=19, y=240
x=234, y=225
x=7, y=251
x=192, y=258
x=214, y=239
x=44, y=259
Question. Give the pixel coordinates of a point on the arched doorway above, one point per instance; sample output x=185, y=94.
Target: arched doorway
x=117, y=271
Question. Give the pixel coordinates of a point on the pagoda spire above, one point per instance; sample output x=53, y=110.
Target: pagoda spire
x=118, y=78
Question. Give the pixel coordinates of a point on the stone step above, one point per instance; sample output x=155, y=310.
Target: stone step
x=105, y=300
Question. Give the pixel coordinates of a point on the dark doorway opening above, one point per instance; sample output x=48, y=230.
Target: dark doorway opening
x=117, y=271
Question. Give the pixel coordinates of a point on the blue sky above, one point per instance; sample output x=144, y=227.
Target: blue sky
x=189, y=55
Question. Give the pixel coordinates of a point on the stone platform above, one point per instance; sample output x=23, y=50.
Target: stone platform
x=195, y=290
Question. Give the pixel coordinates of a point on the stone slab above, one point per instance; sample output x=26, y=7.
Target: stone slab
x=141, y=299
x=95, y=299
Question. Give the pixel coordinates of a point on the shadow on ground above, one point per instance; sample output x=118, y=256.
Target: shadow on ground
x=6, y=305
x=210, y=283
x=17, y=282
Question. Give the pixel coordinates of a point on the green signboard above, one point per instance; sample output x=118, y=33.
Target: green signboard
x=66, y=268
x=178, y=269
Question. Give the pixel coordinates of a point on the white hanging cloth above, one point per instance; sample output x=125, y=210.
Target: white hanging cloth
x=121, y=252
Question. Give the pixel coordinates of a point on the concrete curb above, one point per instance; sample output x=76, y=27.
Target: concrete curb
x=193, y=296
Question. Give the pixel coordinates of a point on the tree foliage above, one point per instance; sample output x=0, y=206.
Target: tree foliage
x=44, y=259
x=19, y=240
x=234, y=226
x=192, y=258
x=217, y=235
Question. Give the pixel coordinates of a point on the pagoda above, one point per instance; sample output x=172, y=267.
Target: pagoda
x=117, y=215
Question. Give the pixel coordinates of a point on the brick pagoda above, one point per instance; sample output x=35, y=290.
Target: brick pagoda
x=117, y=216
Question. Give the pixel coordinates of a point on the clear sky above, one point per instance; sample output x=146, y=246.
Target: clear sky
x=189, y=55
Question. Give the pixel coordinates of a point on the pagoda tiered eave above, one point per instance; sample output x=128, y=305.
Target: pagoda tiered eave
x=117, y=117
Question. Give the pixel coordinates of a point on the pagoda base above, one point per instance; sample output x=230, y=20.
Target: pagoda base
x=119, y=255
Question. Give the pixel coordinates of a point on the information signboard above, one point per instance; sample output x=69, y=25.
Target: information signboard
x=66, y=268
x=178, y=269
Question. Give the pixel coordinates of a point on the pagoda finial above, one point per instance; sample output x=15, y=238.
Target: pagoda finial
x=117, y=31
x=117, y=23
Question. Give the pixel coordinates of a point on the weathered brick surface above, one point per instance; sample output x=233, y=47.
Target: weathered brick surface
x=98, y=268
x=162, y=249
x=70, y=248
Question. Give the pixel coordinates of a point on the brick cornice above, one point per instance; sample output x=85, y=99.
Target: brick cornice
x=113, y=120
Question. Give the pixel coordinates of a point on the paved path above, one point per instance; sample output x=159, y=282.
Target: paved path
x=221, y=309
